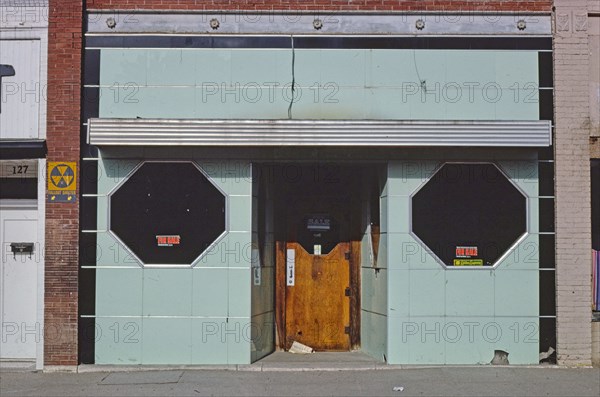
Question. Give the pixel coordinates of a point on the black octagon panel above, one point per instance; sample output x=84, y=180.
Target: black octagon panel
x=469, y=214
x=167, y=213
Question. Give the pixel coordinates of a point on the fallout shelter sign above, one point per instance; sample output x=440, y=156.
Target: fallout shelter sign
x=62, y=181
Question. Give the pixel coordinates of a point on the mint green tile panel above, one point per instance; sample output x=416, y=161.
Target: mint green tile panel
x=429, y=318
x=405, y=252
x=427, y=106
x=264, y=67
x=118, y=340
x=237, y=334
x=398, y=214
x=240, y=213
x=239, y=292
x=416, y=340
x=525, y=256
x=329, y=84
x=167, y=292
x=111, y=252
x=338, y=102
x=518, y=105
x=523, y=173
x=510, y=72
x=345, y=68
x=383, y=256
x=208, y=341
x=213, y=67
x=175, y=301
x=171, y=67
x=397, y=339
x=365, y=251
x=102, y=211
x=404, y=178
x=390, y=68
x=534, y=215
x=427, y=292
x=209, y=292
x=374, y=290
x=382, y=102
x=473, y=341
x=476, y=67
x=471, y=293
x=373, y=334
x=399, y=293
x=233, y=177
x=131, y=101
x=458, y=102
x=119, y=291
x=463, y=340
x=112, y=171
x=233, y=250
x=167, y=341
x=123, y=66
x=525, y=302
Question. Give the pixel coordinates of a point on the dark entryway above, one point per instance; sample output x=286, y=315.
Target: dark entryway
x=319, y=213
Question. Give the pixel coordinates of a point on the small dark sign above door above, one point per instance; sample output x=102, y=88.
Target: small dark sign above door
x=318, y=223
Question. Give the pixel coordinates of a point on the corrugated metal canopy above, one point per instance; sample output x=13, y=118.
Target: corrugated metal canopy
x=186, y=132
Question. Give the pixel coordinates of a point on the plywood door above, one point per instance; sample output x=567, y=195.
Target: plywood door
x=317, y=310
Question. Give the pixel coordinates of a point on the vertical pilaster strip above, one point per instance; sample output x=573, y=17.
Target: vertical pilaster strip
x=572, y=183
x=62, y=219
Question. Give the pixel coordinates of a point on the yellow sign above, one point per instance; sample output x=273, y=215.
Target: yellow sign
x=468, y=262
x=62, y=181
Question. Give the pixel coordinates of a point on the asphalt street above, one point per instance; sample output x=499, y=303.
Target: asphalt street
x=440, y=381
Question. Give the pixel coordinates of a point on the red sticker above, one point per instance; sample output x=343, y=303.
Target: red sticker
x=466, y=252
x=168, y=241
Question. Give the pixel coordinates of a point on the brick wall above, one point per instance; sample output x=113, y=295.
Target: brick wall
x=572, y=182
x=349, y=5
x=62, y=219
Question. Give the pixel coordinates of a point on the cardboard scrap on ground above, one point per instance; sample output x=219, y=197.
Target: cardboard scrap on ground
x=299, y=348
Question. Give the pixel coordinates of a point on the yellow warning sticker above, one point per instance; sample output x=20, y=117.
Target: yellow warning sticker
x=62, y=181
x=468, y=262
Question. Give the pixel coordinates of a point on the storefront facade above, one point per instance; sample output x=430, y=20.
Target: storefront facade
x=374, y=182
x=23, y=71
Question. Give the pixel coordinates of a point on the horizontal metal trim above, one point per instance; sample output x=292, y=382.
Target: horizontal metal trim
x=185, y=132
x=329, y=22
x=148, y=316
x=22, y=149
x=274, y=41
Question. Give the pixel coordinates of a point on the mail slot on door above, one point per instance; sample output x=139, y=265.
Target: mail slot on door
x=21, y=248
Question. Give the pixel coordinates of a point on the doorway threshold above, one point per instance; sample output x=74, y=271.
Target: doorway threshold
x=319, y=361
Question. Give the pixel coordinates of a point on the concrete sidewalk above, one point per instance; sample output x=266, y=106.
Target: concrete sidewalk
x=441, y=381
x=318, y=374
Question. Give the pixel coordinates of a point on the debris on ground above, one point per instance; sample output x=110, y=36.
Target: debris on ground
x=299, y=348
x=544, y=356
x=500, y=358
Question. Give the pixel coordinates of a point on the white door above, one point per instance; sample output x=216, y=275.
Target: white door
x=18, y=283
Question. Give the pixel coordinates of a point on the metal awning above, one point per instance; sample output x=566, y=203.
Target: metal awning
x=256, y=133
